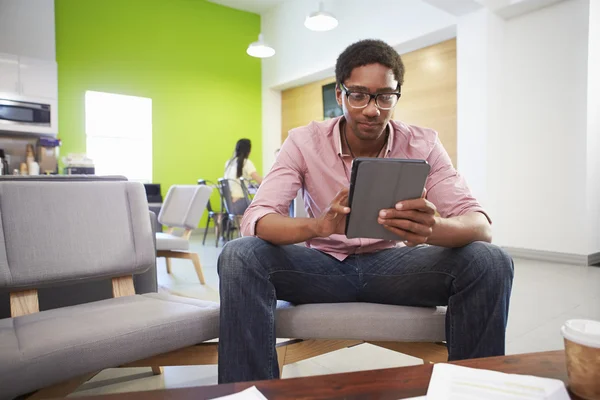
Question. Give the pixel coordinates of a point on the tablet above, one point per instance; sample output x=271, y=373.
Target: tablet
x=379, y=183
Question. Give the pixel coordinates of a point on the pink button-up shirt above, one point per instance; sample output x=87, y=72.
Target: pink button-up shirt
x=311, y=158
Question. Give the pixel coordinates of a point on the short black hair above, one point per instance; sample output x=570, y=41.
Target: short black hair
x=367, y=52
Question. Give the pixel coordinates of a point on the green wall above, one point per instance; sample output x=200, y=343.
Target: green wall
x=188, y=56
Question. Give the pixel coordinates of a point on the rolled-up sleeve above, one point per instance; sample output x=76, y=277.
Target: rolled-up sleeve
x=278, y=189
x=447, y=189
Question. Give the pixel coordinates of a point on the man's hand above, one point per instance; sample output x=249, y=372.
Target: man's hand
x=333, y=220
x=411, y=220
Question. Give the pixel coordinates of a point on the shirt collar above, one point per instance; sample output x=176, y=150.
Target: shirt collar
x=337, y=137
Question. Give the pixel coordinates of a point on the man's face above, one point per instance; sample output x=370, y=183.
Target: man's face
x=368, y=123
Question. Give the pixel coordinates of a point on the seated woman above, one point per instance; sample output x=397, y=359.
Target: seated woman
x=240, y=166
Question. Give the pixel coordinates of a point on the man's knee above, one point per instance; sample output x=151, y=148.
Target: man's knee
x=491, y=259
x=238, y=255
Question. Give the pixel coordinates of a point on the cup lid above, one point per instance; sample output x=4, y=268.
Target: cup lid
x=582, y=331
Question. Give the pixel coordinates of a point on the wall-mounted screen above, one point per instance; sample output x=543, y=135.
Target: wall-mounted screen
x=331, y=109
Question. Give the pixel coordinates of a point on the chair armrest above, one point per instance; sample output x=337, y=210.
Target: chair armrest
x=148, y=282
x=154, y=223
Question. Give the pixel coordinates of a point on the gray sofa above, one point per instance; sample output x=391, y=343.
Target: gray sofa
x=71, y=233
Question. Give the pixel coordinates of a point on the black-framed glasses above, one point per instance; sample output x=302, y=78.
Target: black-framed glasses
x=383, y=101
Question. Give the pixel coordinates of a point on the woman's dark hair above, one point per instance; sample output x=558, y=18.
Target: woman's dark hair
x=242, y=151
x=367, y=52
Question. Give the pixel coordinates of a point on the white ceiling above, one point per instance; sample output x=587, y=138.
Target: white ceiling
x=254, y=6
x=455, y=7
x=504, y=8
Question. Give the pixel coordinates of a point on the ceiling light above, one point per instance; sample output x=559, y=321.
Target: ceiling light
x=321, y=20
x=260, y=49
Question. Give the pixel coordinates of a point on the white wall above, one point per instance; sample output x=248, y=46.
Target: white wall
x=593, y=128
x=511, y=8
x=304, y=56
x=537, y=138
x=27, y=28
x=479, y=51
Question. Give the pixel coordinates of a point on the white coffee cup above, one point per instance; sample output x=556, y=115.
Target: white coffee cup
x=582, y=349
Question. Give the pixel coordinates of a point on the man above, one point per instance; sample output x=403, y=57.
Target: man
x=444, y=259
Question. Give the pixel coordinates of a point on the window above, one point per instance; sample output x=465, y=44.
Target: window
x=118, y=132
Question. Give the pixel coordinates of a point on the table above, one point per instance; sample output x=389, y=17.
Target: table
x=383, y=384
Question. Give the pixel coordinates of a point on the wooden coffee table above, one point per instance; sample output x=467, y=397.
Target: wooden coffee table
x=392, y=384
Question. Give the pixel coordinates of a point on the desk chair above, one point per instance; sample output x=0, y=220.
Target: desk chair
x=182, y=209
x=233, y=219
x=216, y=217
x=246, y=184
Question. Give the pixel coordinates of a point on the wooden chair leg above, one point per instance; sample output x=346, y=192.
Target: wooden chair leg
x=196, y=260
x=168, y=254
x=281, y=353
x=156, y=370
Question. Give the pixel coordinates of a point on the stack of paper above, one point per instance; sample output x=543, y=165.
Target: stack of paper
x=453, y=382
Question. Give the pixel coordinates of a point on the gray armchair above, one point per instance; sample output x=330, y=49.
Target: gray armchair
x=58, y=234
x=182, y=209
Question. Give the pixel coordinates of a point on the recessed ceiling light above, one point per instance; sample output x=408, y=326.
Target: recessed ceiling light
x=321, y=20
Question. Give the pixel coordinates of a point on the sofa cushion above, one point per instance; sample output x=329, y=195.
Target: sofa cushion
x=167, y=241
x=361, y=321
x=48, y=347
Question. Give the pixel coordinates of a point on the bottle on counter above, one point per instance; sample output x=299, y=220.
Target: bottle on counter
x=33, y=168
x=30, y=160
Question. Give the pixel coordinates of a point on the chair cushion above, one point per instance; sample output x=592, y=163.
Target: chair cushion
x=167, y=241
x=361, y=321
x=48, y=347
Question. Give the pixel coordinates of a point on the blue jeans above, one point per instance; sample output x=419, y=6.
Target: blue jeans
x=474, y=281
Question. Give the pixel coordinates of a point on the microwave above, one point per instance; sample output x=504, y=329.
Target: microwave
x=28, y=115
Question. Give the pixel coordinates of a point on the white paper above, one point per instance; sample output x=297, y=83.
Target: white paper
x=252, y=393
x=453, y=382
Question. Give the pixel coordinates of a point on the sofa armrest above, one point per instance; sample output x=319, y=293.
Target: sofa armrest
x=147, y=282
